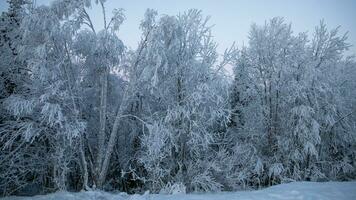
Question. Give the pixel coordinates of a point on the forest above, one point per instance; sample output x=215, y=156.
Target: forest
x=81, y=111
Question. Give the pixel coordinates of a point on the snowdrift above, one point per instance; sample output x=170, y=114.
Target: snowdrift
x=290, y=191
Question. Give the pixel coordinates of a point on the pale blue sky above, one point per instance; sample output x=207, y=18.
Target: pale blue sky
x=232, y=18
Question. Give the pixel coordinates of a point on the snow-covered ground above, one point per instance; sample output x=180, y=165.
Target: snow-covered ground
x=290, y=191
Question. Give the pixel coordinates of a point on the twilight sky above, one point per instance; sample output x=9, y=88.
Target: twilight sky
x=232, y=18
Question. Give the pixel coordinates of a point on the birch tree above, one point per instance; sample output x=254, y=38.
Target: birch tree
x=181, y=55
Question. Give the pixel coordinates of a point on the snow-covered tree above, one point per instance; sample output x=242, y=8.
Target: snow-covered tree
x=295, y=83
x=179, y=74
x=100, y=54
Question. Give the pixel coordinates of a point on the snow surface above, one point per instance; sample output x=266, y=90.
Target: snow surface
x=290, y=191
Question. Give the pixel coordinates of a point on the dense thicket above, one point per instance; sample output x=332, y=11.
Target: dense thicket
x=81, y=111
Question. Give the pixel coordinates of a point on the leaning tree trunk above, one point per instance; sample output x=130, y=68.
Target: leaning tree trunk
x=112, y=140
x=101, y=135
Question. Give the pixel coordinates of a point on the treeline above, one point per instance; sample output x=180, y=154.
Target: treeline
x=79, y=110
